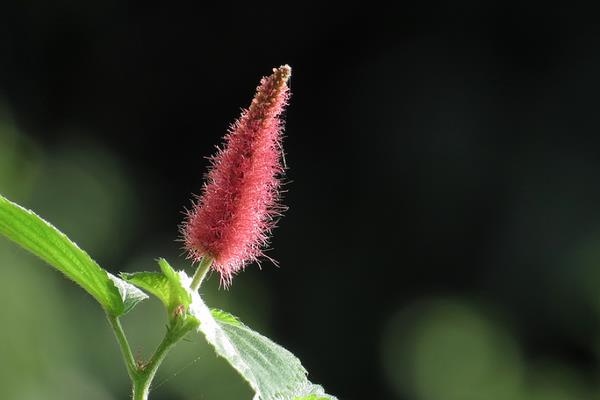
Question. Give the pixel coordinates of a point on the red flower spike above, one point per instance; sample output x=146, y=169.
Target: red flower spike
x=231, y=220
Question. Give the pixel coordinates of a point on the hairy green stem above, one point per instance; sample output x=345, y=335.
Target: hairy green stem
x=115, y=323
x=201, y=271
x=142, y=374
x=146, y=372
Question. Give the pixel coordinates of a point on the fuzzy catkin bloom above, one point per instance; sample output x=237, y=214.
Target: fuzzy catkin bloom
x=231, y=220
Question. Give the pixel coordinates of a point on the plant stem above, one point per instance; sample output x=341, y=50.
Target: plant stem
x=201, y=271
x=115, y=323
x=142, y=374
x=145, y=373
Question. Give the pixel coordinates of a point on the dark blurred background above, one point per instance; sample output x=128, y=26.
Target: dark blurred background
x=443, y=234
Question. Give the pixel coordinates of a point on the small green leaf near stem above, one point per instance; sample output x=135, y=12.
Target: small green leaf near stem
x=201, y=271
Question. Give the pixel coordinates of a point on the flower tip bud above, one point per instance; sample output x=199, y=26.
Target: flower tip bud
x=285, y=71
x=232, y=219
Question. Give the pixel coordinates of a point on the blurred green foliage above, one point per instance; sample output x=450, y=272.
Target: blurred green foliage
x=452, y=349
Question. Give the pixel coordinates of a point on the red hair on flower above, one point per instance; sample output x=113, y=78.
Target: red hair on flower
x=231, y=220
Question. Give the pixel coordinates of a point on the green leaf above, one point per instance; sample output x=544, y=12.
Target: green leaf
x=154, y=283
x=313, y=397
x=39, y=237
x=166, y=286
x=273, y=372
x=130, y=295
x=224, y=317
